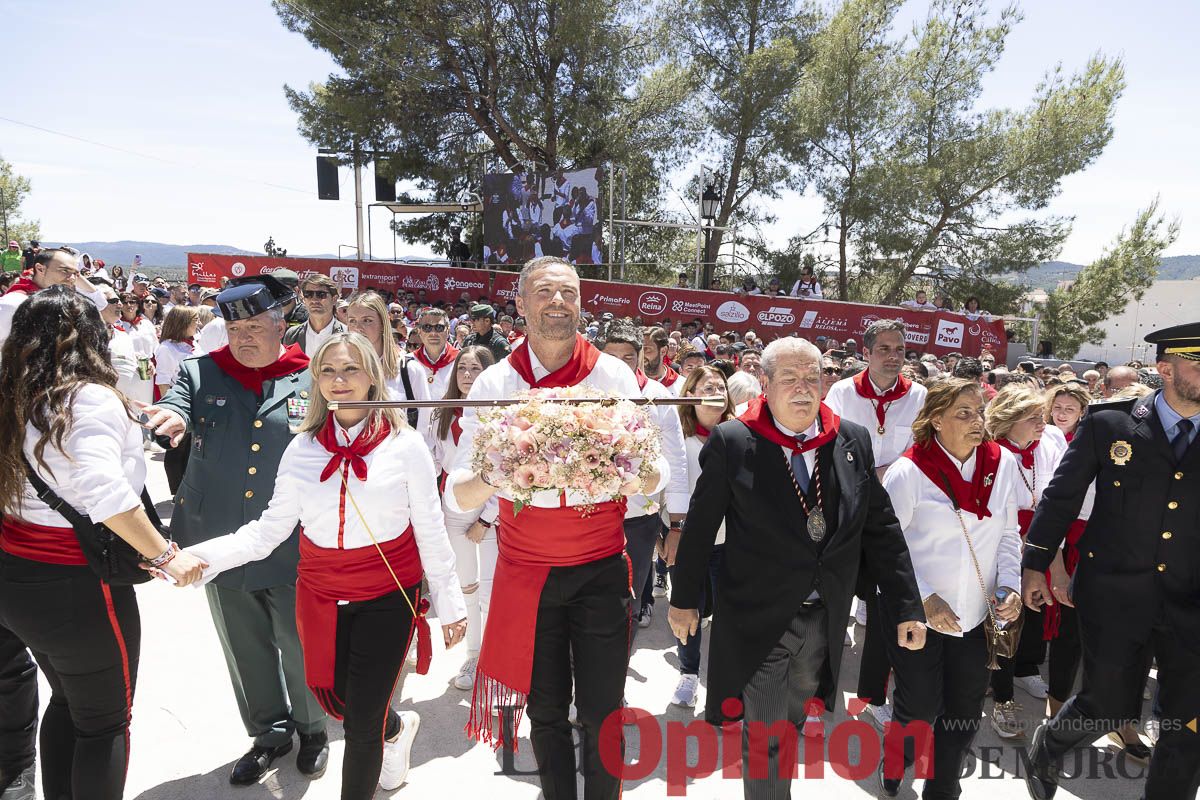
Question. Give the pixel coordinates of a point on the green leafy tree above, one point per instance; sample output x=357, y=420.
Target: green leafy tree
x=14, y=189
x=1073, y=316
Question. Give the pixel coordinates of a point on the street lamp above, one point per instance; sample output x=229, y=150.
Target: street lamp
x=710, y=204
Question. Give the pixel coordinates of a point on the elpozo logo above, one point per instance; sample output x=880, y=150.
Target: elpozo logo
x=652, y=303
x=732, y=311
x=777, y=317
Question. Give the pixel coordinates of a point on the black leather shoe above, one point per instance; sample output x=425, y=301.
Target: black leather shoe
x=252, y=766
x=1041, y=778
x=314, y=754
x=889, y=786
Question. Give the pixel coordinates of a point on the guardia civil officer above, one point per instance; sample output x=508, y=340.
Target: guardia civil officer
x=239, y=403
x=1138, y=577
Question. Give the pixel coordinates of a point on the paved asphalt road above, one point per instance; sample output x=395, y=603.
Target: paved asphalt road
x=187, y=734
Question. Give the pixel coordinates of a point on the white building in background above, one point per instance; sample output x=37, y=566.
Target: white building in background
x=1166, y=303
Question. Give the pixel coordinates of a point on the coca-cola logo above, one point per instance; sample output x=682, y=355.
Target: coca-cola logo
x=777, y=317
x=733, y=312
x=989, y=338
x=652, y=303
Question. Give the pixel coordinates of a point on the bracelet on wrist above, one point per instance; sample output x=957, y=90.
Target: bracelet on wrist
x=165, y=557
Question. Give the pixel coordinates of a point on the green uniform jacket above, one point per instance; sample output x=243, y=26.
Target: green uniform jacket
x=237, y=443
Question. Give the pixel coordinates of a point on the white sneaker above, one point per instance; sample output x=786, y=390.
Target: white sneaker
x=860, y=613
x=1033, y=685
x=411, y=657
x=397, y=754
x=660, y=585
x=880, y=715
x=23, y=788
x=573, y=715
x=465, y=679
x=685, y=692
x=645, y=616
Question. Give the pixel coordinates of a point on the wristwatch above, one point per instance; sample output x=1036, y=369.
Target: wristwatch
x=677, y=525
x=486, y=524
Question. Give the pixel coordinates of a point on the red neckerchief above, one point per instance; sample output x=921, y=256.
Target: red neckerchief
x=292, y=360
x=374, y=432
x=641, y=378
x=583, y=359
x=456, y=425
x=702, y=431
x=972, y=497
x=758, y=419
x=880, y=401
x=447, y=357
x=24, y=285
x=1069, y=436
x=669, y=377
x=138, y=320
x=190, y=342
x=1023, y=453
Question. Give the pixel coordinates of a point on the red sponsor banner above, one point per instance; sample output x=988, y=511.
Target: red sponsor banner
x=939, y=332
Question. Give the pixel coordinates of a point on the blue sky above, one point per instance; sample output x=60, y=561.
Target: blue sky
x=199, y=86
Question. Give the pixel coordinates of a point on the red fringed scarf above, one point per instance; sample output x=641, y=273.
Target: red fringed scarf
x=758, y=419
x=864, y=388
x=579, y=366
x=24, y=285
x=445, y=359
x=326, y=575
x=971, y=497
x=292, y=360
x=374, y=432
x=530, y=545
x=1052, y=615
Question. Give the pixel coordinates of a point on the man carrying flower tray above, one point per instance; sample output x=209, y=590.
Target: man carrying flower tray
x=562, y=583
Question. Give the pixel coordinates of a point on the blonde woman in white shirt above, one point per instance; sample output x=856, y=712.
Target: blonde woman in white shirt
x=955, y=495
x=361, y=485
x=473, y=533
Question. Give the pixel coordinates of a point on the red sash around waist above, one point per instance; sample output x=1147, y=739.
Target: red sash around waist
x=327, y=575
x=530, y=544
x=40, y=542
x=1052, y=615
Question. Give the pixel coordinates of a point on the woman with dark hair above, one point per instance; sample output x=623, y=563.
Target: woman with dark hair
x=63, y=418
x=697, y=423
x=135, y=321
x=972, y=311
x=472, y=535
x=120, y=283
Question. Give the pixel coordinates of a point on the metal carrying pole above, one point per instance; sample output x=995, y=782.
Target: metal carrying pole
x=708, y=402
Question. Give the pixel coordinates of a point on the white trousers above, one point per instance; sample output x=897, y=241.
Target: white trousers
x=476, y=563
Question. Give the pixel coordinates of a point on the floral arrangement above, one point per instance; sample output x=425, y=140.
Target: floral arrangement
x=593, y=448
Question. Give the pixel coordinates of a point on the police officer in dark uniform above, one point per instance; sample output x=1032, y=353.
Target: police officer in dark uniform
x=484, y=333
x=1137, y=587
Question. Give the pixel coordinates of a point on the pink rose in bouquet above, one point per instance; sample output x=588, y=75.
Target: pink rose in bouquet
x=591, y=448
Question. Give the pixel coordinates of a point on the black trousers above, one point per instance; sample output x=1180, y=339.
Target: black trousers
x=1111, y=695
x=86, y=637
x=372, y=641
x=641, y=536
x=1066, y=652
x=584, y=612
x=874, y=667
x=18, y=708
x=942, y=684
x=175, y=461
x=1031, y=652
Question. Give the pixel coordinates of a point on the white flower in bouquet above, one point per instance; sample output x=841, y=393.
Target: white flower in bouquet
x=593, y=448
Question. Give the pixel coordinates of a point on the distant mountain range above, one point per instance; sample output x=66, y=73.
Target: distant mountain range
x=174, y=256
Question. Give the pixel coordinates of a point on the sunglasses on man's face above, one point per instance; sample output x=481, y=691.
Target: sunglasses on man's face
x=438, y=328
x=831, y=371
x=116, y=301
x=317, y=294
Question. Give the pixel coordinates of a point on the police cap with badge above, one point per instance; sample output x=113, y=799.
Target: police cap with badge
x=250, y=296
x=1179, y=340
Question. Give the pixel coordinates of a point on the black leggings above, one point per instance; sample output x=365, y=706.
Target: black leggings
x=86, y=637
x=18, y=708
x=372, y=641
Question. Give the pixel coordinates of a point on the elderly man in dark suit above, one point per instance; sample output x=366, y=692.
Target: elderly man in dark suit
x=1136, y=587
x=802, y=507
